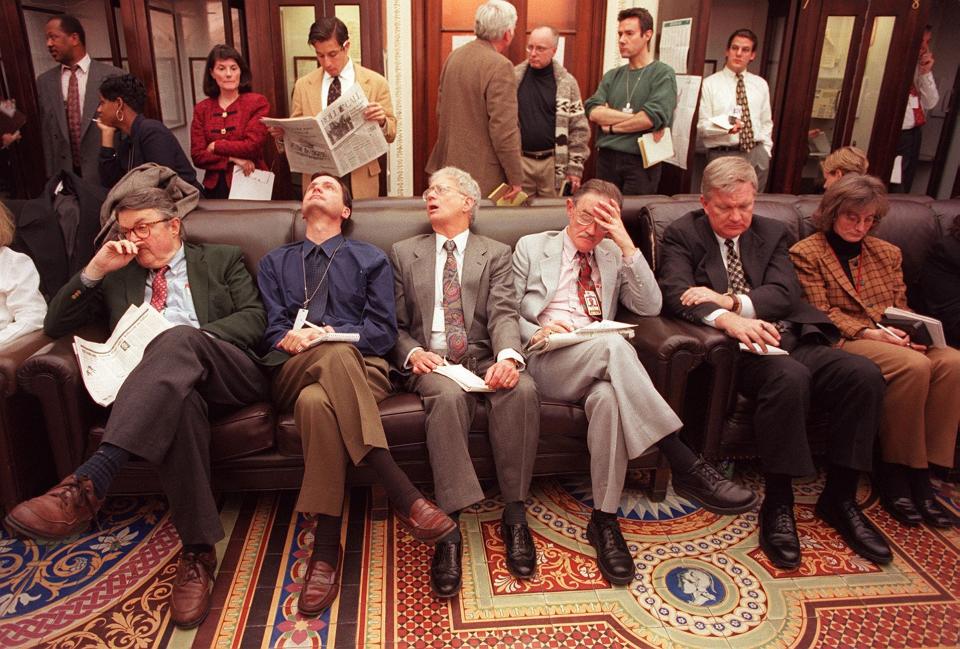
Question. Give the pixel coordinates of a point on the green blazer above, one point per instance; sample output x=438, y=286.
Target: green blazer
x=224, y=295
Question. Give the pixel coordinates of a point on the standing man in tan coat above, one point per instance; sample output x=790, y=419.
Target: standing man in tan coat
x=337, y=74
x=477, y=108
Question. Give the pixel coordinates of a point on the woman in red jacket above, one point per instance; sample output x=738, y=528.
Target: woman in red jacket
x=226, y=129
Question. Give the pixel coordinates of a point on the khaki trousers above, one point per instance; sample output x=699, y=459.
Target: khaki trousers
x=538, y=176
x=921, y=408
x=334, y=392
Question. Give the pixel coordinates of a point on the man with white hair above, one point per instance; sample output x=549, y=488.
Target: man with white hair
x=455, y=304
x=477, y=106
x=554, y=131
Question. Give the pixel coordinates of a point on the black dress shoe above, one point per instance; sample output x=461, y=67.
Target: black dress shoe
x=863, y=538
x=520, y=549
x=613, y=556
x=934, y=515
x=715, y=493
x=445, y=569
x=902, y=509
x=778, y=536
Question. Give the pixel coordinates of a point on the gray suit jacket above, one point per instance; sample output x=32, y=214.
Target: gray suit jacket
x=489, y=305
x=53, y=122
x=536, y=274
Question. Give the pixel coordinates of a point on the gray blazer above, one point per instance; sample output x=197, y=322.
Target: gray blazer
x=489, y=305
x=53, y=122
x=536, y=274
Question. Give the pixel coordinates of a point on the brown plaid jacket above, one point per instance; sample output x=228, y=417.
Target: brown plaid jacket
x=827, y=287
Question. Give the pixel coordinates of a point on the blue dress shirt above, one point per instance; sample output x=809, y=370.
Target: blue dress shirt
x=359, y=292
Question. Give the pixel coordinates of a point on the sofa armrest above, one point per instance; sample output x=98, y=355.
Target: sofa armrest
x=13, y=354
x=667, y=351
x=53, y=377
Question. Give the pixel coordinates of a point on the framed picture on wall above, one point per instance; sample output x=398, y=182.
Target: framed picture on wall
x=167, y=60
x=304, y=65
x=709, y=67
x=198, y=67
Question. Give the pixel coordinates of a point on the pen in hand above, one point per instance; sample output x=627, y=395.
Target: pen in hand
x=890, y=332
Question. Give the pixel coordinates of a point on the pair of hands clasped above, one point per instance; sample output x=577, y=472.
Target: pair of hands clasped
x=297, y=340
x=502, y=374
x=749, y=331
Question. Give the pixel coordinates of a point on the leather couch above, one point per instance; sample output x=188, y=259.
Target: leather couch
x=717, y=419
x=257, y=448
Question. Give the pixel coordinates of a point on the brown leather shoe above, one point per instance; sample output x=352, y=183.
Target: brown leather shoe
x=192, y=587
x=64, y=511
x=321, y=585
x=426, y=521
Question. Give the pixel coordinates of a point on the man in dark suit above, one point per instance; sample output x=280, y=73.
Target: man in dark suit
x=455, y=304
x=160, y=413
x=726, y=268
x=68, y=95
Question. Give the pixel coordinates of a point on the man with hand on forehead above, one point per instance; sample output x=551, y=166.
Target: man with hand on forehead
x=160, y=413
x=569, y=279
x=328, y=283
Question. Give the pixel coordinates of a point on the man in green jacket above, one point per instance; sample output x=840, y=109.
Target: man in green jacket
x=631, y=100
x=160, y=413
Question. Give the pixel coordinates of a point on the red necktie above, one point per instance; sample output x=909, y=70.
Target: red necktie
x=585, y=283
x=73, y=115
x=919, y=117
x=158, y=299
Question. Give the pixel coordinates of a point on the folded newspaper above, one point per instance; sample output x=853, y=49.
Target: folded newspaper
x=463, y=377
x=602, y=328
x=105, y=366
x=334, y=337
x=336, y=141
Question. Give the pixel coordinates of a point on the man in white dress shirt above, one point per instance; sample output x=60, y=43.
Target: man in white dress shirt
x=735, y=117
x=923, y=97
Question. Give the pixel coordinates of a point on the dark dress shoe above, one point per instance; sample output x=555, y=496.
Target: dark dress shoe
x=902, y=509
x=778, y=536
x=192, y=587
x=426, y=521
x=321, y=585
x=64, y=511
x=863, y=538
x=705, y=485
x=446, y=571
x=934, y=515
x=613, y=556
x=520, y=550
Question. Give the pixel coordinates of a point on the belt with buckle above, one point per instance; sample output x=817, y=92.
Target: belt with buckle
x=537, y=155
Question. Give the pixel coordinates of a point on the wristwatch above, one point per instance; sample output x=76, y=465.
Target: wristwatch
x=736, y=302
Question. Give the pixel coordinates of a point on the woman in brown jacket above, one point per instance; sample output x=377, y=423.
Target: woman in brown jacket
x=853, y=278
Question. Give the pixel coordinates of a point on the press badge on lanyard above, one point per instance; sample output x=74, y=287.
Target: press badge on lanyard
x=300, y=319
x=592, y=303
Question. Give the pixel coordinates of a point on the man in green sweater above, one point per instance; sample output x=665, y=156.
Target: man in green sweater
x=631, y=100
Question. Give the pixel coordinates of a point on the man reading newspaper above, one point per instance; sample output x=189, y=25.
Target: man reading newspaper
x=160, y=413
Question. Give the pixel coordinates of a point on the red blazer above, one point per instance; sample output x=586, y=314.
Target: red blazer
x=237, y=131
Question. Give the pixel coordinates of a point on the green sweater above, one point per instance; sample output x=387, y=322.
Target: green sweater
x=654, y=89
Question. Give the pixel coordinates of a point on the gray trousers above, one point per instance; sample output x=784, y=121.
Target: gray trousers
x=625, y=412
x=757, y=157
x=513, y=424
x=161, y=415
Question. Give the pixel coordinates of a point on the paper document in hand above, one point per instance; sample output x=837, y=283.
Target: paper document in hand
x=726, y=122
x=934, y=326
x=463, y=377
x=604, y=327
x=771, y=350
x=258, y=186
x=336, y=141
x=497, y=196
x=334, y=338
x=653, y=151
x=105, y=366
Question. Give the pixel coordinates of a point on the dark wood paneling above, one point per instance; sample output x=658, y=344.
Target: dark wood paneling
x=946, y=137
x=135, y=15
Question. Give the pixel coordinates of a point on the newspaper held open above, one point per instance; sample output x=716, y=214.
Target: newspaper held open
x=336, y=141
x=105, y=366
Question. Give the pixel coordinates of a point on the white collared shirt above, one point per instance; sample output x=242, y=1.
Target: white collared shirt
x=718, y=98
x=180, y=308
x=22, y=307
x=83, y=73
x=347, y=76
x=927, y=96
x=746, y=304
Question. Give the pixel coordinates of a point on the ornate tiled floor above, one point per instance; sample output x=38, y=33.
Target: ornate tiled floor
x=703, y=582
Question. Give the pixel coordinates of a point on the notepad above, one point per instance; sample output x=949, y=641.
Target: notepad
x=463, y=377
x=258, y=186
x=654, y=152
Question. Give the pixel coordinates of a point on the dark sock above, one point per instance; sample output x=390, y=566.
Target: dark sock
x=678, y=454
x=891, y=479
x=197, y=548
x=598, y=516
x=326, y=539
x=920, y=487
x=400, y=490
x=103, y=466
x=841, y=483
x=514, y=513
x=778, y=488
x=454, y=536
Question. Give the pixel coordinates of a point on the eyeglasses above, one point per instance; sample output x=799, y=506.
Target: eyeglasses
x=142, y=230
x=582, y=217
x=854, y=219
x=539, y=49
x=441, y=190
